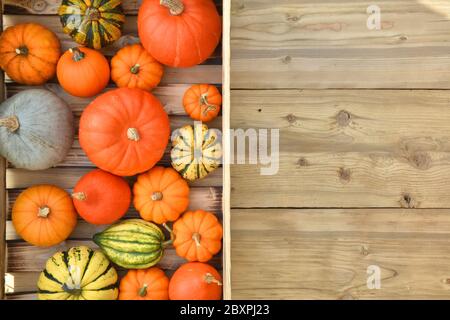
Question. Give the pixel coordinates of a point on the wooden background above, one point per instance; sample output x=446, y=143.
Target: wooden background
x=364, y=177
x=24, y=262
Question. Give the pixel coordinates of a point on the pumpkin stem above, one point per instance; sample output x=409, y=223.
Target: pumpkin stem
x=135, y=69
x=204, y=101
x=143, y=291
x=93, y=14
x=43, y=212
x=71, y=291
x=176, y=7
x=77, y=54
x=196, y=237
x=157, y=196
x=22, y=50
x=209, y=278
x=11, y=123
x=167, y=228
x=81, y=196
x=172, y=235
x=133, y=134
x=167, y=243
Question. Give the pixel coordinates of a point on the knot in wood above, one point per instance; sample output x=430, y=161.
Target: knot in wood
x=291, y=118
x=302, y=162
x=287, y=59
x=345, y=175
x=343, y=118
x=407, y=201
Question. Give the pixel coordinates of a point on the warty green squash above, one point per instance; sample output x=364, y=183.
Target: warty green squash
x=92, y=23
x=133, y=243
x=36, y=129
x=78, y=274
x=196, y=151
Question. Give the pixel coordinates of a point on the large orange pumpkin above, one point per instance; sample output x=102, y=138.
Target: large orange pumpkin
x=124, y=131
x=144, y=284
x=161, y=195
x=202, y=102
x=134, y=67
x=83, y=72
x=44, y=215
x=29, y=53
x=198, y=236
x=179, y=33
x=101, y=197
x=195, y=281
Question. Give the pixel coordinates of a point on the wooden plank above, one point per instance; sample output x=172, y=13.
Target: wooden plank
x=347, y=148
x=67, y=178
x=226, y=108
x=23, y=257
x=130, y=36
x=3, y=200
x=324, y=254
x=47, y=7
x=206, y=198
x=327, y=44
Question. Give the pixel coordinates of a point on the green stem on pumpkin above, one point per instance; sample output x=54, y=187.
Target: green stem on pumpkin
x=77, y=54
x=143, y=291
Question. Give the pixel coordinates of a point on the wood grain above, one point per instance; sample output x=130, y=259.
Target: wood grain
x=327, y=44
x=206, y=198
x=47, y=7
x=324, y=254
x=347, y=148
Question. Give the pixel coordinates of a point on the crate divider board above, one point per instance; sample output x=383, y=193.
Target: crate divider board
x=21, y=262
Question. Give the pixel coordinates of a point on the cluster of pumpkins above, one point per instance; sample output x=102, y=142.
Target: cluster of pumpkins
x=124, y=132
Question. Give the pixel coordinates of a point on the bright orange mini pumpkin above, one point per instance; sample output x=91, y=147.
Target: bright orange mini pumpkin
x=83, y=72
x=161, y=195
x=44, y=215
x=179, y=33
x=124, y=131
x=198, y=236
x=195, y=281
x=202, y=102
x=29, y=53
x=144, y=284
x=101, y=197
x=134, y=67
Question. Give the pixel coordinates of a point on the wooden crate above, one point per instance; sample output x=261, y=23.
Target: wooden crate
x=21, y=262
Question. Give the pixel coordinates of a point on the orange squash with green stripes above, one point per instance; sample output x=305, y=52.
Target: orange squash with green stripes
x=92, y=23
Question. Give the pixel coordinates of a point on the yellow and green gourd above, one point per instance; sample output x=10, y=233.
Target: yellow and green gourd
x=133, y=243
x=196, y=151
x=92, y=23
x=78, y=274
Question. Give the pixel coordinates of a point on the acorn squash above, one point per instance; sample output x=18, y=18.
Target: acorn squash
x=78, y=274
x=92, y=23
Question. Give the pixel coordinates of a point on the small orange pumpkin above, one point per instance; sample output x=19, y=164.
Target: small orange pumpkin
x=29, y=53
x=101, y=197
x=198, y=236
x=161, y=195
x=83, y=72
x=44, y=215
x=144, y=284
x=202, y=102
x=134, y=67
x=195, y=281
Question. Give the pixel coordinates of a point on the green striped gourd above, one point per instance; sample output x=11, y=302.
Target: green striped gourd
x=132, y=243
x=92, y=23
x=78, y=274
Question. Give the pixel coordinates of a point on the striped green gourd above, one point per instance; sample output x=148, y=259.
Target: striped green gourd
x=133, y=243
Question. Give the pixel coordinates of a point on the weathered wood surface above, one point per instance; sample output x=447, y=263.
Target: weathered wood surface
x=130, y=7
x=340, y=148
x=206, y=198
x=324, y=254
x=327, y=44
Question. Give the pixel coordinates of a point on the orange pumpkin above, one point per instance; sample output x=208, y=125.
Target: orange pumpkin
x=160, y=195
x=101, y=197
x=29, y=53
x=202, y=102
x=195, y=281
x=83, y=72
x=198, y=236
x=134, y=67
x=124, y=131
x=179, y=33
x=144, y=284
x=44, y=215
